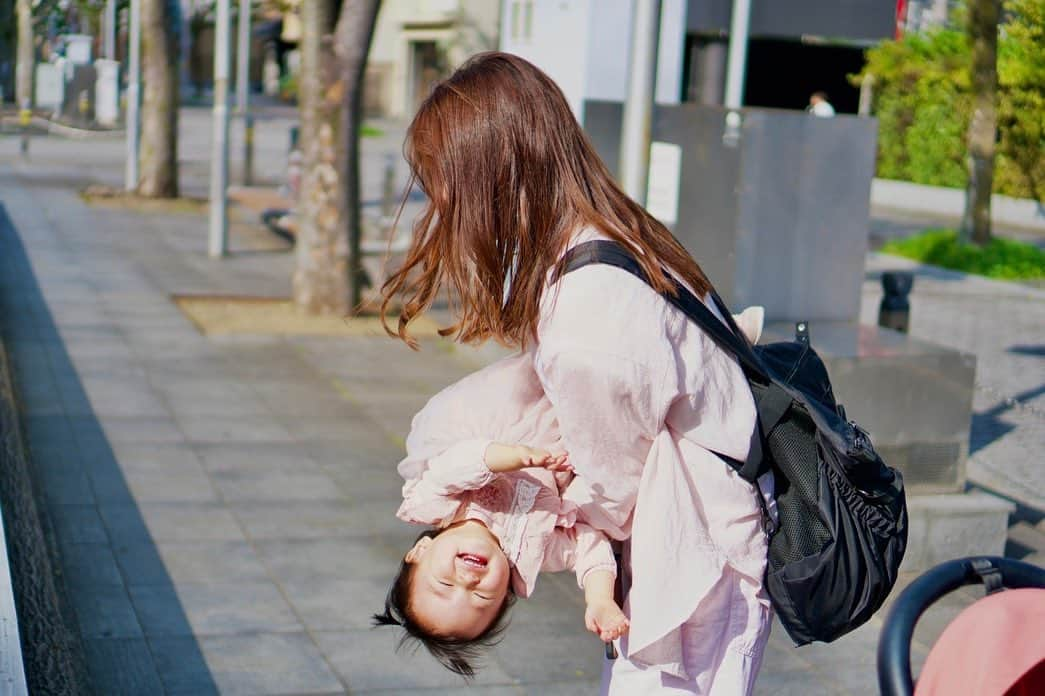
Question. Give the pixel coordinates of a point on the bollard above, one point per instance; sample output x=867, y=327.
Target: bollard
x=388, y=191
x=295, y=164
x=83, y=105
x=248, y=150
x=25, y=117
x=895, y=310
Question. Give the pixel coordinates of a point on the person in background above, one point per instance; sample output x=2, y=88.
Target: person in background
x=819, y=106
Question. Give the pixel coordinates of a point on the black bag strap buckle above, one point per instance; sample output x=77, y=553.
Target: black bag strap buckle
x=989, y=574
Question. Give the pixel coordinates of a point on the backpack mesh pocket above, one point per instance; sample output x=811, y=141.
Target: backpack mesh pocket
x=801, y=531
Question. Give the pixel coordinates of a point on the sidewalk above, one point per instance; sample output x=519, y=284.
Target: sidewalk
x=224, y=505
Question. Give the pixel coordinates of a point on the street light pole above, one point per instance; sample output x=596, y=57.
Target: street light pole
x=219, y=160
x=737, y=62
x=134, y=76
x=638, y=109
x=110, y=29
x=243, y=90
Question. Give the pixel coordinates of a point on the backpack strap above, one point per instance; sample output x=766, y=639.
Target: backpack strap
x=727, y=336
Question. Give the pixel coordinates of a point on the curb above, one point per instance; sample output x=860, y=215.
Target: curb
x=905, y=197
x=52, y=652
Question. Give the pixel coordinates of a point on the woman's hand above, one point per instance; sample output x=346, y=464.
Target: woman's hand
x=501, y=458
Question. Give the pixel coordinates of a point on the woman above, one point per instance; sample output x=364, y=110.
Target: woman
x=642, y=396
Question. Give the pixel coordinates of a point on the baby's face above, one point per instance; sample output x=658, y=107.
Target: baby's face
x=460, y=580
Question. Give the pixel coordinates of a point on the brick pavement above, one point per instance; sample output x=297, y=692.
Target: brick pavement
x=224, y=505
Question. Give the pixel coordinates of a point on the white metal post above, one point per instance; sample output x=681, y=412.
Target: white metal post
x=638, y=109
x=243, y=57
x=243, y=89
x=219, y=160
x=134, y=77
x=110, y=29
x=737, y=65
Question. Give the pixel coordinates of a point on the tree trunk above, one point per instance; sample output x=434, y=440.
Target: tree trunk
x=355, y=29
x=320, y=282
x=983, y=34
x=8, y=43
x=26, y=55
x=161, y=24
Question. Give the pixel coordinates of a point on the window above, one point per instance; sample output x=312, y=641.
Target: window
x=522, y=20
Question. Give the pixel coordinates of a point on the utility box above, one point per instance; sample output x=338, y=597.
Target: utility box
x=49, y=86
x=78, y=48
x=107, y=92
x=774, y=207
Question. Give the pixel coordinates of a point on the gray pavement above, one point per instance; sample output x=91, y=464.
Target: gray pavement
x=224, y=506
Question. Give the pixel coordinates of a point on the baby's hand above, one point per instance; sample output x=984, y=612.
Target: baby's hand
x=504, y=458
x=606, y=620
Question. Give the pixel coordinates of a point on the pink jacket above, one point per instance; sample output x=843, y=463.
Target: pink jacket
x=446, y=477
x=642, y=397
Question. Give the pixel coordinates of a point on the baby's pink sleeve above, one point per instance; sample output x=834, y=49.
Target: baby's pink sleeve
x=580, y=548
x=433, y=484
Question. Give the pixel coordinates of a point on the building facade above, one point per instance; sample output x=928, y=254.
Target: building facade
x=418, y=42
x=795, y=48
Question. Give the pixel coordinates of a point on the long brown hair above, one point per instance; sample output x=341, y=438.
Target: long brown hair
x=510, y=176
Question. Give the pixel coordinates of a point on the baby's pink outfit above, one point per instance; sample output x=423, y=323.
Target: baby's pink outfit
x=447, y=478
x=643, y=399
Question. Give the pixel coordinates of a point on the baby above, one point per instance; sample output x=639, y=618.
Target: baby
x=485, y=469
x=497, y=514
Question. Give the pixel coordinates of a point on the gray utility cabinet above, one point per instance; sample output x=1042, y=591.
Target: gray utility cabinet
x=777, y=215
x=776, y=210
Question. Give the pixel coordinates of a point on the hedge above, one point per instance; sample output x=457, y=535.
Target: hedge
x=923, y=101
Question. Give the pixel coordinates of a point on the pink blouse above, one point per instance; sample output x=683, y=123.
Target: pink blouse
x=642, y=397
x=446, y=477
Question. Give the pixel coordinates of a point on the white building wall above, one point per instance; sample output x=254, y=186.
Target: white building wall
x=556, y=41
x=585, y=46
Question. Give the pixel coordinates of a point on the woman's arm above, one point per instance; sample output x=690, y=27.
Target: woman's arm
x=609, y=409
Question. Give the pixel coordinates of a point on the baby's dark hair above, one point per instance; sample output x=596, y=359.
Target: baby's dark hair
x=456, y=654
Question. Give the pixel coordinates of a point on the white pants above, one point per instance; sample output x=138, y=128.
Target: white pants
x=722, y=645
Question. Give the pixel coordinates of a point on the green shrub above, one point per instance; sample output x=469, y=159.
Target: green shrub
x=1001, y=258
x=923, y=103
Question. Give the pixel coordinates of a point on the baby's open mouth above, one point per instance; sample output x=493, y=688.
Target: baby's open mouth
x=470, y=559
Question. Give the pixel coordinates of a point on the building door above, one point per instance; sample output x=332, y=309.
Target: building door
x=427, y=67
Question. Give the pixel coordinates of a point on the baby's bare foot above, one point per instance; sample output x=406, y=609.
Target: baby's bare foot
x=606, y=620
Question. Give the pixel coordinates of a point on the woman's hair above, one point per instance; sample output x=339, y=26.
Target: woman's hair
x=456, y=654
x=509, y=175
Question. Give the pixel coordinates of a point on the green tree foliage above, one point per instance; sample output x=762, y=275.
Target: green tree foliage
x=923, y=101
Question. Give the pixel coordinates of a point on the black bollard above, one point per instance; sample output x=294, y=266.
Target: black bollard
x=895, y=310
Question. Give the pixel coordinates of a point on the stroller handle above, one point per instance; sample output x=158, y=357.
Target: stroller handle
x=894, y=645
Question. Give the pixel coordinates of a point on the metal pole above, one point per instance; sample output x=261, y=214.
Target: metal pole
x=134, y=77
x=243, y=57
x=737, y=65
x=638, y=109
x=110, y=29
x=219, y=160
x=243, y=89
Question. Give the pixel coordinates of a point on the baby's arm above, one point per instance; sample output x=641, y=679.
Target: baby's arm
x=435, y=481
x=588, y=553
x=602, y=616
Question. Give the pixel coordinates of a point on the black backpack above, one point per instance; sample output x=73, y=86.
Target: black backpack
x=842, y=532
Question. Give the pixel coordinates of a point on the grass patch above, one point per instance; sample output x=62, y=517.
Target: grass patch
x=1002, y=258
x=366, y=131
